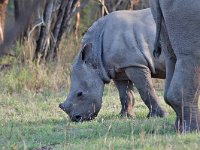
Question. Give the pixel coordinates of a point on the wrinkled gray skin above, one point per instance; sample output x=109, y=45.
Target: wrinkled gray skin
x=118, y=46
x=178, y=27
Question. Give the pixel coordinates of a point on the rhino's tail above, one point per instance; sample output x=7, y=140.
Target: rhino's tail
x=158, y=19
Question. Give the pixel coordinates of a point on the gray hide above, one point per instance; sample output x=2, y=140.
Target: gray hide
x=121, y=47
x=178, y=27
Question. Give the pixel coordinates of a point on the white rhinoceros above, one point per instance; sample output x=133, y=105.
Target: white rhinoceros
x=178, y=23
x=118, y=46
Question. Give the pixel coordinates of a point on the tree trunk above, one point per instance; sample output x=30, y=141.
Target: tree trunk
x=57, y=18
x=56, y=29
x=20, y=8
x=77, y=20
x=113, y=5
x=63, y=28
x=12, y=31
x=108, y=5
x=138, y=4
x=44, y=37
x=3, y=6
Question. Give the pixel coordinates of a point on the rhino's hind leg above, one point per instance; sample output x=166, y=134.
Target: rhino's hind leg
x=126, y=97
x=141, y=78
x=183, y=94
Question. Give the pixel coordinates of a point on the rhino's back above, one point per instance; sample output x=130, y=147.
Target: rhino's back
x=128, y=17
x=128, y=39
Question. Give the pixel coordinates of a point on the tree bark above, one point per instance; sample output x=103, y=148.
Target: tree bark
x=20, y=8
x=138, y=4
x=3, y=6
x=56, y=29
x=65, y=24
x=77, y=20
x=57, y=18
x=113, y=5
x=15, y=29
x=108, y=5
x=44, y=37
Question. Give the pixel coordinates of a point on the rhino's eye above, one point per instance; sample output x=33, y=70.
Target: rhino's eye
x=79, y=94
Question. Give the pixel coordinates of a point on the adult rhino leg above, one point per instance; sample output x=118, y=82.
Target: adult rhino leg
x=170, y=66
x=141, y=78
x=183, y=93
x=126, y=97
x=157, y=14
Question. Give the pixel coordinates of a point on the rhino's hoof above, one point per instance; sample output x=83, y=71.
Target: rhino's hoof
x=125, y=114
x=188, y=126
x=157, y=114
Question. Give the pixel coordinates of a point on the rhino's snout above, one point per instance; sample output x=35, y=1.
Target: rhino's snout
x=77, y=118
x=61, y=105
x=64, y=107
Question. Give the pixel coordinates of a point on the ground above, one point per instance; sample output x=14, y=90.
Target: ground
x=34, y=121
x=30, y=118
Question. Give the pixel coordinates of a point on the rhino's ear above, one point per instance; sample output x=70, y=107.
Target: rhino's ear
x=86, y=52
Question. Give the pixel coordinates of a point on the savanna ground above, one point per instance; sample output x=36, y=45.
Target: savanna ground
x=30, y=117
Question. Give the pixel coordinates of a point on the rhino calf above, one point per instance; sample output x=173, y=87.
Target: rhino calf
x=118, y=46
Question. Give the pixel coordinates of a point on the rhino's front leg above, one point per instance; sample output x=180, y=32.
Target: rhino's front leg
x=170, y=66
x=183, y=93
x=126, y=97
x=141, y=78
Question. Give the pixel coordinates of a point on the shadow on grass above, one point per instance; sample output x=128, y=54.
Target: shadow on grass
x=52, y=132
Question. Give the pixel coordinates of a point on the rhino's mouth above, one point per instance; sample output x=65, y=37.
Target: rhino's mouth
x=76, y=117
x=81, y=118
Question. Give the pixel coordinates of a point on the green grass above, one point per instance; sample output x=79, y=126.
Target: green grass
x=33, y=121
x=30, y=117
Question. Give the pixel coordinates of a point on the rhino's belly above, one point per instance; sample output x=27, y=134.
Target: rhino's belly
x=119, y=75
x=160, y=74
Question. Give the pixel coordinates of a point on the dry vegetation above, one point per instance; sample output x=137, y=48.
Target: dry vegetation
x=21, y=73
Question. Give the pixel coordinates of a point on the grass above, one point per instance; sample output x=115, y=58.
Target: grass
x=30, y=117
x=34, y=121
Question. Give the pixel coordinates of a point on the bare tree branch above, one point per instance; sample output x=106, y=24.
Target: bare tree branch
x=104, y=8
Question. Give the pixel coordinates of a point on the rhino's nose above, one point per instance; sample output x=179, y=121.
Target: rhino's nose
x=77, y=118
x=61, y=105
x=66, y=107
